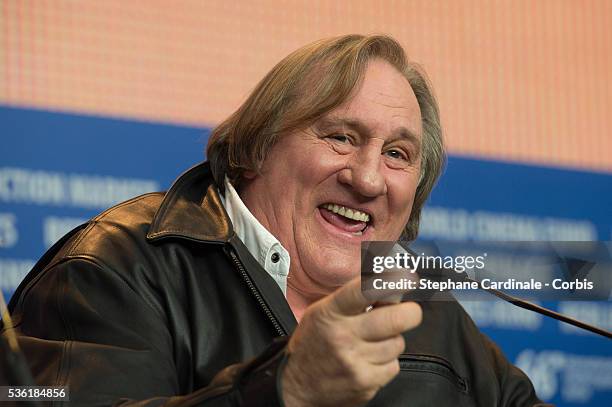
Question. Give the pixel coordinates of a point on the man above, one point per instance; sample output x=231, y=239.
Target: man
x=181, y=298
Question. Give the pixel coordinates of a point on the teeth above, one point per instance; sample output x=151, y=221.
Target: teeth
x=348, y=212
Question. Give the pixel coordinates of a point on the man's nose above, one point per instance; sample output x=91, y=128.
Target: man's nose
x=364, y=172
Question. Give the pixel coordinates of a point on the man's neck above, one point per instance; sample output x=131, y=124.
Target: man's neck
x=297, y=302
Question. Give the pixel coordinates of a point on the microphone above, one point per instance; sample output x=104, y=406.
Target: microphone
x=449, y=273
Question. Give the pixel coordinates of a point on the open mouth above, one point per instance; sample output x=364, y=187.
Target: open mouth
x=347, y=219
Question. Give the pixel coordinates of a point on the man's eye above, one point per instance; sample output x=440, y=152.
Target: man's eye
x=397, y=154
x=342, y=138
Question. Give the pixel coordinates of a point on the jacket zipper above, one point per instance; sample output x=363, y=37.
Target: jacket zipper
x=245, y=276
x=436, y=366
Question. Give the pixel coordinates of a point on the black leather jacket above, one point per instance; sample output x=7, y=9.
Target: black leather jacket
x=156, y=301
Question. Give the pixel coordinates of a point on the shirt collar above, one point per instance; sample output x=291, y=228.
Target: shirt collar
x=262, y=245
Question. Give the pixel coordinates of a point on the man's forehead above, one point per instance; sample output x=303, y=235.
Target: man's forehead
x=383, y=101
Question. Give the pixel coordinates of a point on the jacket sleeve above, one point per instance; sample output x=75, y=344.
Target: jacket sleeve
x=83, y=326
x=516, y=388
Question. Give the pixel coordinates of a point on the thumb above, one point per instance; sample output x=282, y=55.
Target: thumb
x=348, y=299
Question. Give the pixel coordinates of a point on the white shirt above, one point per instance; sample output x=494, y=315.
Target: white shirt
x=262, y=245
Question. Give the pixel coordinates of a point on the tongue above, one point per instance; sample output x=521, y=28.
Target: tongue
x=341, y=222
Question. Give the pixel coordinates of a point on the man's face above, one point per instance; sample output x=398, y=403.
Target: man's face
x=350, y=177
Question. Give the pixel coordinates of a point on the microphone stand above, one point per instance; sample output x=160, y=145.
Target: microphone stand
x=545, y=311
x=455, y=275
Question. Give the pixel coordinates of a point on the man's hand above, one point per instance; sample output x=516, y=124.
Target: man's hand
x=340, y=355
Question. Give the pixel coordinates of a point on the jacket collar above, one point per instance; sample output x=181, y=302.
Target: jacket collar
x=192, y=209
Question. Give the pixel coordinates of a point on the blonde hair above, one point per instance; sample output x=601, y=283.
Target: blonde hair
x=304, y=86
